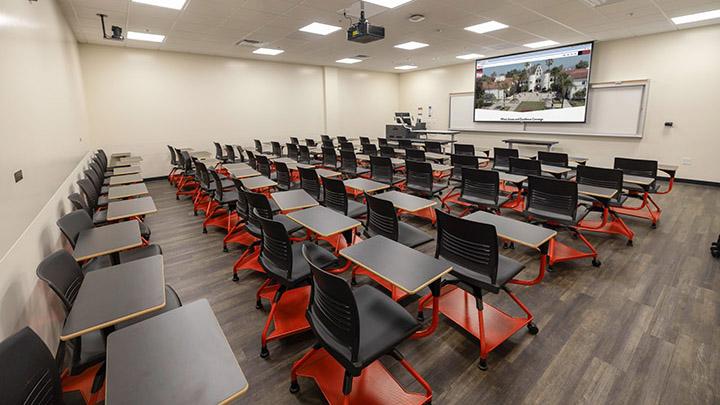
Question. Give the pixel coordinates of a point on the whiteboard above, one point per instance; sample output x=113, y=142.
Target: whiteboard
x=614, y=109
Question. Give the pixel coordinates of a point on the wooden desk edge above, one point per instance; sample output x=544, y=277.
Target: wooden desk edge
x=527, y=244
x=236, y=395
x=433, y=203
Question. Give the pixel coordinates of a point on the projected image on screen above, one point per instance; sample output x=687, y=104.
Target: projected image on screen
x=542, y=86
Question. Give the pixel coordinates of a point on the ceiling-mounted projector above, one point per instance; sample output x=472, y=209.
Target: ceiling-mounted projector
x=117, y=31
x=364, y=32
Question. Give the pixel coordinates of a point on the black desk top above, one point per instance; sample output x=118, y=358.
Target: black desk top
x=599, y=192
x=293, y=200
x=126, y=170
x=531, y=142
x=323, y=221
x=107, y=239
x=179, y=357
x=406, y=202
x=129, y=190
x=254, y=183
x=130, y=208
x=243, y=172
x=116, y=294
x=514, y=230
x=366, y=185
x=125, y=179
x=396, y=263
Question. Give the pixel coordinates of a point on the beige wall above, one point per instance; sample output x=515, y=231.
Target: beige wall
x=681, y=69
x=44, y=133
x=142, y=100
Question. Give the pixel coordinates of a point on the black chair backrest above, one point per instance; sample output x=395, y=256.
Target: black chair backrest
x=230, y=151
x=381, y=169
x=182, y=164
x=329, y=157
x=335, y=195
x=96, y=160
x=405, y=144
x=218, y=184
x=219, y=151
x=277, y=148
x=327, y=143
x=364, y=140
x=173, y=158
x=263, y=165
x=434, y=147
x=277, y=248
x=292, y=150
x=341, y=139
x=242, y=205
x=552, y=195
x=103, y=158
x=79, y=203
x=240, y=153
x=464, y=149
x=92, y=176
x=88, y=189
x=637, y=167
x=203, y=175
x=251, y=159
x=294, y=140
x=416, y=155
x=381, y=217
x=95, y=166
x=553, y=158
x=502, y=157
x=525, y=167
x=419, y=175
x=304, y=156
x=63, y=274
x=32, y=375
x=348, y=161
x=458, y=162
x=310, y=182
x=258, y=146
x=382, y=142
x=258, y=206
x=333, y=309
x=478, y=183
x=347, y=146
x=309, y=142
x=369, y=149
x=387, y=151
x=187, y=161
x=283, y=176
x=472, y=245
x=325, y=138
x=601, y=177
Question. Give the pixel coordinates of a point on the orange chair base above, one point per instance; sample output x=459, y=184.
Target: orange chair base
x=288, y=314
x=560, y=252
x=397, y=294
x=83, y=383
x=248, y=261
x=374, y=386
x=617, y=226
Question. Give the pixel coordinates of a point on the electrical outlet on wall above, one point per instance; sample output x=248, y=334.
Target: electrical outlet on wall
x=687, y=161
x=18, y=176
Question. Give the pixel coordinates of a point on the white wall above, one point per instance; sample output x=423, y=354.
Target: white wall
x=44, y=133
x=681, y=69
x=140, y=101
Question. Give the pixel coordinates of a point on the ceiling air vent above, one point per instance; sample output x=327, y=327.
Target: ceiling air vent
x=599, y=3
x=251, y=43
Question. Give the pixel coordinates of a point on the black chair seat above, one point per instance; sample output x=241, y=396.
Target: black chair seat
x=613, y=203
x=300, y=269
x=102, y=201
x=383, y=324
x=408, y=235
x=484, y=202
x=139, y=253
x=172, y=301
x=104, y=190
x=290, y=225
x=559, y=218
x=336, y=166
x=274, y=206
x=436, y=188
x=356, y=209
x=357, y=172
x=106, y=181
x=228, y=197
x=507, y=269
x=92, y=349
x=96, y=263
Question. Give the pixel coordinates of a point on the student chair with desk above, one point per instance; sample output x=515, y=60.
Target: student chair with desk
x=419, y=181
x=381, y=170
x=349, y=166
x=310, y=142
x=416, y=155
x=283, y=176
x=294, y=140
x=221, y=212
x=252, y=161
x=611, y=221
x=264, y=167
x=433, y=147
x=479, y=190
x=521, y=167
x=238, y=233
x=230, y=153
x=187, y=185
x=501, y=158
x=329, y=158
x=219, y=155
x=305, y=158
x=277, y=149
x=258, y=146
x=364, y=140
x=556, y=159
x=98, y=213
x=648, y=209
x=292, y=151
x=464, y=149
x=310, y=182
x=174, y=165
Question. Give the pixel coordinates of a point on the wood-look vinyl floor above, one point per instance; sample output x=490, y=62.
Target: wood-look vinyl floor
x=642, y=328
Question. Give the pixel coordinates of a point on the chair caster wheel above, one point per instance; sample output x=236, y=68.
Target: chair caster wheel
x=177, y=197
x=294, y=387
x=532, y=328
x=353, y=281
x=204, y=230
x=420, y=316
x=235, y=277
x=550, y=268
x=259, y=305
x=653, y=226
x=596, y=262
x=264, y=352
x=225, y=249
x=630, y=242
x=432, y=226
x=574, y=236
x=482, y=365
x=505, y=245
x=195, y=213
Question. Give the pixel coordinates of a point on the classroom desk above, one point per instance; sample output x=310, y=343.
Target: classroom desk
x=115, y=162
x=257, y=182
x=395, y=161
x=669, y=169
x=323, y=221
x=109, y=239
x=601, y=193
x=200, y=154
x=327, y=173
x=436, y=156
x=554, y=170
x=577, y=159
x=293, y=200
x=130, y=208
x=362, y=185
x=284, y=160
x=406, y=202
x=230, y=166
x=209, y=161
x=131, y=159
x=521, y=232
x=186, y=149
x=403, y=267
x=126, y=170
x=294, y=166
x=436, y=167
x=125, y=179
x=512, y=178
x=181, y=356
x=119, y=155
x=547, y=144
x=127, y=191
x=645, y=182
x=243, y=173
x=116, y=294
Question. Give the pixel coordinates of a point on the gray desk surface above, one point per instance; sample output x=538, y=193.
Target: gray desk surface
x=120, y=155
x=130, y=190
x=126, y=170
x=131, y=159
x=243, y=173
x=395, y=161
x=294, y=166
x=293, y=200
x=200, y=154
x=209, y=161
x=327, y=173
x=599, y=192
x=125, y=179
x=130, y=208
x=179, y=357
x=230, y=166
x=366, y=185
x=115, y=162
x=517, y=231
x=436, y=156
x=187, y=149
x=441, y=168
x=512, y=178
x=554, y=169
x=107, y=239
x=116, y=294
x=435, y=131
x=323, y=221
x=668, y=168
x=254, y=183
x=401, y=266
x=285, y=160
x=643, y=181
x=406, y=202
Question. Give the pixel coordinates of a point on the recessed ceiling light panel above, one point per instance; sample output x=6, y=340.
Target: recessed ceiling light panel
x=144, y=36
x=268, y=51
x=411, y=45
x=540, y=44
x=470, y=56
x=319, y=28
x=708, y=15
x=348, y=61
x=486, y=27
x=388, y=3
x=406, y=67
x=173, y=4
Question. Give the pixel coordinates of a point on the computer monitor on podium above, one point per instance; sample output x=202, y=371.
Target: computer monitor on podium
x=403, y=118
